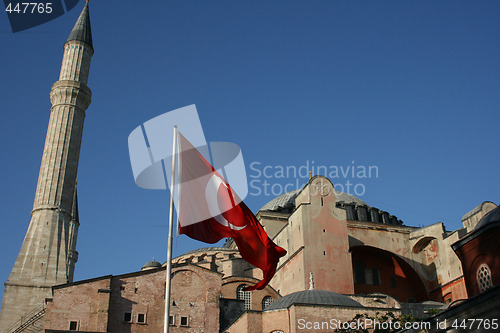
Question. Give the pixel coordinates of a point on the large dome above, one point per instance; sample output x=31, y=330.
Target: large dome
x=313, y=297
x=356, y=209
x=287, y=201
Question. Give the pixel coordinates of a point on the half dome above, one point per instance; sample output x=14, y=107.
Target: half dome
x=313, y=297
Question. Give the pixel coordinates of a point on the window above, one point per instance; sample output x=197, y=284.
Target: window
x=127, y=317
x=141, y=318
x=483, y=277
x=447, y=298
x=171, y=321
x=266, y=301
x=375, y=276
x=359, y=272
x=184, y=321
x=393, y=281
x=73, y=325
x=244, y=295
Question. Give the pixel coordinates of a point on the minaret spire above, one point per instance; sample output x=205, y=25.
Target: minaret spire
x=81, y=31
x=48, y=253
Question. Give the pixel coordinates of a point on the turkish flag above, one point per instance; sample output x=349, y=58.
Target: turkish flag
x=210, y=210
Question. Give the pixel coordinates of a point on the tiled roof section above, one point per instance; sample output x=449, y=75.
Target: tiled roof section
x=81, y=31
x=313, y=297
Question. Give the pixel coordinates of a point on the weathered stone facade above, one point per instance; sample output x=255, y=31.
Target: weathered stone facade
x=135, y=302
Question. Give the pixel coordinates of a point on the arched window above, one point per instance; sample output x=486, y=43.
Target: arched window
x=266, y=301
x=359, y=272
x=483, y=277
x=244, y=295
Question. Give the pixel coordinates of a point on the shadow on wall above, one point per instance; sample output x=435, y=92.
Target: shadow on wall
x=380, y=271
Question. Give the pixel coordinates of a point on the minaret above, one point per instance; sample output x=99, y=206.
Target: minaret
x=47, y=255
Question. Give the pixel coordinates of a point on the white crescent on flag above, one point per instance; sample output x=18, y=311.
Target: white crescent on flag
x=212, y=197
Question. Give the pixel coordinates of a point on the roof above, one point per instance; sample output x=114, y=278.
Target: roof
x=491, y=217
x=485, y=226
x=313, y=297
x=208, y=249
x=81, y=31
x=287, y=200
x=152, y=264
x=476, y=210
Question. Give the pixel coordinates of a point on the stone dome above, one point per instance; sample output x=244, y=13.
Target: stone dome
x=151, y=265
x=286, y=201
x=313, y=297
x=356, y=209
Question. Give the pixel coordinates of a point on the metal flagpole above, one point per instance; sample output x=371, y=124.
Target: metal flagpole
x=170, y=231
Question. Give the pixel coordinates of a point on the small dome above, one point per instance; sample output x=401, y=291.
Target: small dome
x=313, y=297
x=151, y=265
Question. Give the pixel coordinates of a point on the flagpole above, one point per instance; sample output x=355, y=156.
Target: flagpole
x=170, y=238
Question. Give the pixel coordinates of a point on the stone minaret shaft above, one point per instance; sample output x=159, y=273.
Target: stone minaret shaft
x=48, y=253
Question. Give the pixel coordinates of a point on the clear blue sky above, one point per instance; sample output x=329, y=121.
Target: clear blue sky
x=410, y=87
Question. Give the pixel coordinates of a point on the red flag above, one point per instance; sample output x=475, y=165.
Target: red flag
x=210, y=210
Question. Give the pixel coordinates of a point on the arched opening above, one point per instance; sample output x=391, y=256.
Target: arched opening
x=422, y=243
x=387, y=273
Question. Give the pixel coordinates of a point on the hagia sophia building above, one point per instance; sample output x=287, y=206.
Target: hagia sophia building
x=344, y=258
